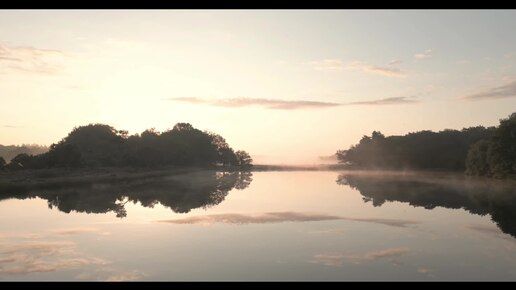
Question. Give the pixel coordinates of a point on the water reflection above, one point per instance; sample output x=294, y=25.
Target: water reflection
x=482, y=197
x=181, y=193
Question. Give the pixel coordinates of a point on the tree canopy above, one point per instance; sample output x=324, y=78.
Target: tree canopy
x=97, y=145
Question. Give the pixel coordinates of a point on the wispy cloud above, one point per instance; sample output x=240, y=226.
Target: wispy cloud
x=395, y=62
x=505, y=91
x=339, y=65
x=333, y=260
x=288, y=105
x=11, y=126
x=279, y=217
x=267, y=103
x=388, y=101
x=328, y=64
x=378, y=70
x=427, y=54
x=30, y=59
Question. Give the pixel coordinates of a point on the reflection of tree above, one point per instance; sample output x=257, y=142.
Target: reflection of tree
x=181, y=193
x=497, y=199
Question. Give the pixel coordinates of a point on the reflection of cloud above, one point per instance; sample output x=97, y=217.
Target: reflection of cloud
x=110, y=274
x=388, y=101
x=491, y=231
x=505, y=91
x=376, y=255
x=278, y=217
x=388, y=222
x=74, y=231
x=424, y=270
x=29, y=59
x=268, y=103
x=329, y=231
x=128, y=276
x=334, y=260
x=378, y=70
x=43, y=256
x=271, y=217
x=427, y=54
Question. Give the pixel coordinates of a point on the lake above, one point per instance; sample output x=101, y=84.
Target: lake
x=297, y=225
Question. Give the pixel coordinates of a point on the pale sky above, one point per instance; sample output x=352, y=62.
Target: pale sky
x=286, y=86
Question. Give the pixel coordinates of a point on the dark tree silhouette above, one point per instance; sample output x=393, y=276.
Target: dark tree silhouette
x=243, y=159
x=2, y=162
x=495, y=156
x=98, y=145
x=444, y=150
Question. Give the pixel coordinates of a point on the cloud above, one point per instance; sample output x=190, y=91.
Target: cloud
x=377, y=255
x=267, y=103
x=378, y=70
x=395, y=62
x=505, y=91
x=427, y=54
x=328, y=64
x=388, y=101
x=279, y=217
x=11, y=126
x=30, y=59
x=339, y=65
x=287, y=105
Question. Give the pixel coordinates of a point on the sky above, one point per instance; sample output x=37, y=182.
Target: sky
x=286, y=86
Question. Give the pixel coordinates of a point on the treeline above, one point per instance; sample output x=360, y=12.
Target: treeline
x=10, y=151
x=477, y=150
x=99, y=145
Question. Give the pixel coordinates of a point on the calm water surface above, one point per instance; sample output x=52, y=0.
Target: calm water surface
x=262, y=226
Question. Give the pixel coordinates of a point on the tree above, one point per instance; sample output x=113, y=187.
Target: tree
x=243, y=159
x=2, y=162
x=501, y=154
x=476, y=161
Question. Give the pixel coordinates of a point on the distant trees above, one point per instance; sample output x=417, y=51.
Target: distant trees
x=10, y=151
x=444, y=150
x=478, y=150
x=243, y=159
x=495, y=156
x=96, y=145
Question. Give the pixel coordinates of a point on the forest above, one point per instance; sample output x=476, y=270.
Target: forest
x=100, y=145
x=477, y=151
